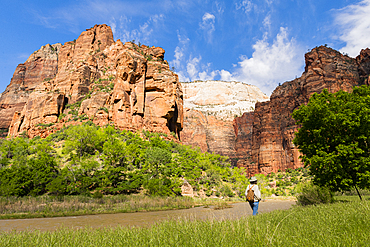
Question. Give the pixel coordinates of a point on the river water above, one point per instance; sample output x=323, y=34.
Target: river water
x=238, y=210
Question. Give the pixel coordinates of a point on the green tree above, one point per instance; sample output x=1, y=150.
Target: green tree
x=157, y=159
x=162, y=175
x=113, y=149
x=31, y=178
x=334, y=138
x=83, y=140
x=42, y=169
x=14, y=151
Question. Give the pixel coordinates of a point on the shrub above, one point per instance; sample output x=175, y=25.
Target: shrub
x=226, y=191
x=98, y=195
x=209, y=192
x=161, y=187
x=313, y=194
x=30, y=178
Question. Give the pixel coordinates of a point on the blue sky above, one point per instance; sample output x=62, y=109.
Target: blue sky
x=257, y=42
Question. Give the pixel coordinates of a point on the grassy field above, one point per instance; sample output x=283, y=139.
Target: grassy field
x=338, y=224
x=49, y=206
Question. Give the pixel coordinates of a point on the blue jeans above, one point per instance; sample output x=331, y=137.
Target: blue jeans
x=254, y=206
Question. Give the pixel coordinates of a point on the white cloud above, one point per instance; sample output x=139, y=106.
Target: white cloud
x=225, y=75
x=208, y=26
x=270, y=64
x=267, y=22
x=246, y=6
x=179, y=55
x=207, y=16
x=197, y=71
x=122, y=29
x=207, y=74
x=192, y=67
x=269, y=2
x=220, y=8
x=354, y=22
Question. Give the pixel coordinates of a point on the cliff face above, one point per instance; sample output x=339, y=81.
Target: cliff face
x=273, y=128
x=243, y=129
x=98, y=79
x=40, y=66
x=95, y=78
x=210, y=108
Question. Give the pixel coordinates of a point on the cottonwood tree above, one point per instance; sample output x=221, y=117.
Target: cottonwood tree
x=334, y=138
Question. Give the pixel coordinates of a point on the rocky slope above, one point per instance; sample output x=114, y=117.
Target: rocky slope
x=210, y=108
x=93, y=78
x=272, y=126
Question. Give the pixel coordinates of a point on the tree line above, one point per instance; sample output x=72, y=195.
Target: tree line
x=86, y=159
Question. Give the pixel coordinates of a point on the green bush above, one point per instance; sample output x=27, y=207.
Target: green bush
x=313, y=194
x=160, y=187
x=98, y=195
x=226, y=191
x=31, y=178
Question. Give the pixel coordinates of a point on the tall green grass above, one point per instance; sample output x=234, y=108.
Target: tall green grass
x=50, y=206
x=338, y=224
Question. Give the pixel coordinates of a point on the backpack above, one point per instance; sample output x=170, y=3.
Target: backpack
x=250, y=194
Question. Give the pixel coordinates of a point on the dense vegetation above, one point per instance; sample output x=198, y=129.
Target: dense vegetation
x=334, y=138
x=338, y=224
x=87, y=159
x=288, y=183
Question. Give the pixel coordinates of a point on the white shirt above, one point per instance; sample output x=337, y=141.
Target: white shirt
x=256, y=190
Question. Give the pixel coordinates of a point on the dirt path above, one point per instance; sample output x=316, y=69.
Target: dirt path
x=140, y=219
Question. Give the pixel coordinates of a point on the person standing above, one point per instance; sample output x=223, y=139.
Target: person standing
x=257, y=195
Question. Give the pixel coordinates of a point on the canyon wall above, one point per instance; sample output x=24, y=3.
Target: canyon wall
x=271, y=147
x=41, y=65
x=209, y=111
x=93, y=79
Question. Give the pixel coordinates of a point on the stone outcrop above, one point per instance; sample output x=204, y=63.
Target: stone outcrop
x=224, y=100
x=187, y=189
x=95, y=78
x=272, y=126
x=210, y=108
x=40, y=66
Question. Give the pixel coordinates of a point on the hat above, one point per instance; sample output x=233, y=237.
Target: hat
x=253, y=179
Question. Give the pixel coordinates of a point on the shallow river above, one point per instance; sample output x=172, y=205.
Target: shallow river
x=140, y=219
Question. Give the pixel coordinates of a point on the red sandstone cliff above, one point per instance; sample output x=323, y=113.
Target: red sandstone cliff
x=94, y=78
x=40, y=66
x=272, y=126
x=209, y=133
x=211, y=107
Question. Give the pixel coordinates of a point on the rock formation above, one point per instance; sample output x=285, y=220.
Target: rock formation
x=272, y=126
x=210, y=108
x=40, y=66
x=93, y=78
